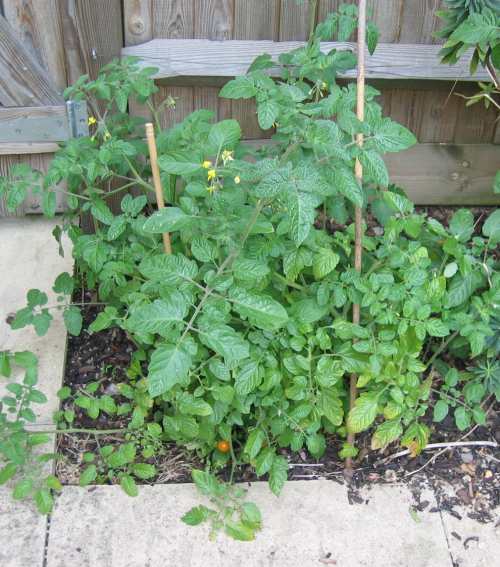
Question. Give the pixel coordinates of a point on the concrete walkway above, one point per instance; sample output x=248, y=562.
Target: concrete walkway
x=311, y=524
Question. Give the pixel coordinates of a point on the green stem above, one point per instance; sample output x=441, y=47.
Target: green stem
x=80, y=430
x=441, y=348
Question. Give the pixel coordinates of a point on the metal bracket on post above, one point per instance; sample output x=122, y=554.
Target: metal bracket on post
x=77, y=118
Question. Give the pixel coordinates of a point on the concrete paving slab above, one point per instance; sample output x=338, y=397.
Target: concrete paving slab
x=479, y=544
x=22, y=533
x=309, y=525
x=29, y=259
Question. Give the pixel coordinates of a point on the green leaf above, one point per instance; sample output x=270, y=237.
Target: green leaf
x=496, y=183
x=44, y=501
x=278, y=474
x=386, y=433
x=346, y=182
x=169, y=366
x=363, y=414
x=22, y=489
x=7, y=472
x=254, y=443
x=227, y=342
x=103, y=320
x=144, y=470
x=224, y=134
x=301, y=214
x=128, y=485
x=240, y=87
x=169, y=268
x=372, y=34
x=324, y=262
x=389, y=136
x=440, y=411
x=203, y=250
x=196, y=515
x=157, y=316
x=247, y=379
x=316, y=445
x=261, y=310
x=491, y=228
x=398, y=202
x=450, y=270
x=64, y=284
x=251, y=516
x=178, y=164
x=167, y=220
x=133, y=206
x=206, y=483
x=267, y=113
x=462, y=418
x=265, y=461
x=49, y=203
x=374, y=167
x=194, y=406
x=41, y=322
x=102, y=212
x=239, y=531
x=73, y=320
x=462, y=225
x=437, y=328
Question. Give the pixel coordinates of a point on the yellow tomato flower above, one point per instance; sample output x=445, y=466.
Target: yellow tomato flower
x=211, y=174
x=91, y=120
x=210, y=188
x=206, y=164
x=237, y=179
x=227, y=156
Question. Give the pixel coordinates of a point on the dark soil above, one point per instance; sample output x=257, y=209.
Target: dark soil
x=461, y=476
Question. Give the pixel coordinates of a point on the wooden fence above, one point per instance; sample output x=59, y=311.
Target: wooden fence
x=453, y=163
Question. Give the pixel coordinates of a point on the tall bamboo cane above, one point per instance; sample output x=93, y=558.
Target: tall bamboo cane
x=150, y=136
x=358, y=170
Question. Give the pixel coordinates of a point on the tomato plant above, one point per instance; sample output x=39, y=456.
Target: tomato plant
x=244, y=336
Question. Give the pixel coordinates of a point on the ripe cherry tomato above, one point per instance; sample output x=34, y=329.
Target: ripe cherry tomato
x=223, y=446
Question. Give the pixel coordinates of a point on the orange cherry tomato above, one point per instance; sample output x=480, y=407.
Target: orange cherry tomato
x=223, y=446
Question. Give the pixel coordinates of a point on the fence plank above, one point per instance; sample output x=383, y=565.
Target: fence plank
x=23, y=81
x=294, y=20
x=37, y=25
x=202, y=58
x=253, y=21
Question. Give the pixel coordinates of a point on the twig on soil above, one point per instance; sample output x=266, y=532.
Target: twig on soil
x=306, y=465
x=439, y=446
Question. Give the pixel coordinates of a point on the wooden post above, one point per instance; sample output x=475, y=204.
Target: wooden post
x=150, y=135
x=358, y=170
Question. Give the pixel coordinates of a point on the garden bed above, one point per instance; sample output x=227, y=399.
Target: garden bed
x=461, y=476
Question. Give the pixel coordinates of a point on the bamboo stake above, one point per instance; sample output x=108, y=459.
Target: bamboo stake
x=150, y=136
x=358, y=170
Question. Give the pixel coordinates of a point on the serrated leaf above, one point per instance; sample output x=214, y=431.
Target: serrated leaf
x=347, y=184
x=363, y=413
x=247, y=379
x=440, y=410
x=398, y=202
x=169, y=366
x=88, y=475
x=261, y=310
x=389, y=136
x=196, y=515
x=301, y=214
x=155, y=317
x=265, y=461
x=325, y=261
x=491, y=228
x=205, y=482
x=227, y=342
x=73, y=320
x=462, y=224
x=168, y=219
x=169, y=268
x=224, y=134
x=44, y=501
x=386, y=433
x=128, y=485
x=240, y=87
x=437, y=328
x=267, y=113
x=374, y=167
x=254, y=443
x=278, y=474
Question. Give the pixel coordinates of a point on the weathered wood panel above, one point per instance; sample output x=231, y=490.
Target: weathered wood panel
x=258, y=21
x=38, y=26
x=23, y=81
x=198, y=58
